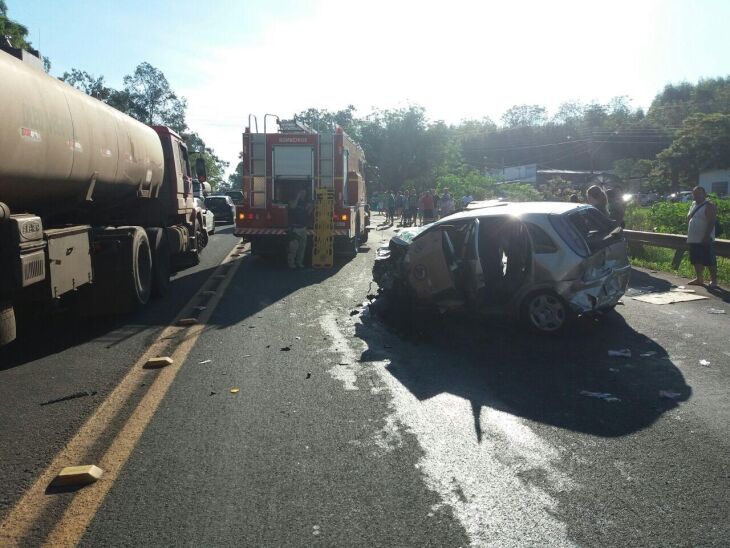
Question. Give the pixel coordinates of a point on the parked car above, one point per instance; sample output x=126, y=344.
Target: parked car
x=539, y=262
x=208, y=216
x=236, y=196
x=223, y=207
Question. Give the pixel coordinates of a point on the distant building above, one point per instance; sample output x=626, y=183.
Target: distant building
x=716, y=180
x=535, y=175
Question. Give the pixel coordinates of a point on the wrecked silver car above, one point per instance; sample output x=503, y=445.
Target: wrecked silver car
x=538, y=262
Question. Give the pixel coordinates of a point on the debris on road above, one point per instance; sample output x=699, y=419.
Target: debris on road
x=184, y=322
x=669, y=395
x=309, y=374
x=681, y=289
x=77, y=475
x=716, y=311
x=235, y=390
x=354, y=312
x=200, y=308
x=158, y=363
x=212, y=393
x=285, y=349
x=73, y=396
x=648, y=354
x=204, y=362
x=705, y=363
x=669, y=297
x=623, y=353
x=605, y=396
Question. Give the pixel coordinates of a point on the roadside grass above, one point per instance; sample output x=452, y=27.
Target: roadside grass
x=658, y=258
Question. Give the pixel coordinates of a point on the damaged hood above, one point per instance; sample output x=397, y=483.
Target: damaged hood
x=405, y=237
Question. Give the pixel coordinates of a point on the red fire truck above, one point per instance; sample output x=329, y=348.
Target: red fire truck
x=276, y=166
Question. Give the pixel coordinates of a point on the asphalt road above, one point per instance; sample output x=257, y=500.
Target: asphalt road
x=366, y=433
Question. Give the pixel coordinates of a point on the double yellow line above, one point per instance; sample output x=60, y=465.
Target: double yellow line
x=18, y=524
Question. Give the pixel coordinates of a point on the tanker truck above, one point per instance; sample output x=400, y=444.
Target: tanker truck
x=96, y=208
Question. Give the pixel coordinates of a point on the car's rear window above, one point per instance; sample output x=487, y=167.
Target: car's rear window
x=593, y=226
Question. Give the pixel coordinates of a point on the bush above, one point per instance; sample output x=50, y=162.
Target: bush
x=671, y=218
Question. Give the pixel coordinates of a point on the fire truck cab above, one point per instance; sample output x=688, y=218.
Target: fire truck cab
x=276, y=166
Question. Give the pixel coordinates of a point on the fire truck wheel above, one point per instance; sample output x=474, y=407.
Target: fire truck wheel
x=7, y=323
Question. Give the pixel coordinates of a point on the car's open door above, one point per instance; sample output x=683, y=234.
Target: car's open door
x=504, y=249
x=432, y=266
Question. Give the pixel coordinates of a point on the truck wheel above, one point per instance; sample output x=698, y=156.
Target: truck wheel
x=136, y=278
x=161, y=267
x=7, y=324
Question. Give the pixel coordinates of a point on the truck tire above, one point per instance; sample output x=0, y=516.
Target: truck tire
x=161, y=267
x=7, y=324
x=135, y=278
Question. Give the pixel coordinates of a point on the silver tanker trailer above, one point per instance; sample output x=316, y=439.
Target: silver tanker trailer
x=94, y=205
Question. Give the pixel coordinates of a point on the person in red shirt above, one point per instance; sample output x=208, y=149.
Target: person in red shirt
x=427, y=207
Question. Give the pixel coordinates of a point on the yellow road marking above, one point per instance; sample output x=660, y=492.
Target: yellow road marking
x=68, y=531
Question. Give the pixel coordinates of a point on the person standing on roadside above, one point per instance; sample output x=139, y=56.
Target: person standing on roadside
x=390, y=203
x=700, y=237
x=597, y=198
x=427, y=207
x=616, y=206
x=299, y=213
x=446, y=204
x=436, y=204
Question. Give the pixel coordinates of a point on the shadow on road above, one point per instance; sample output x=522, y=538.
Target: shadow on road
x=568, y=382
x=258, y=284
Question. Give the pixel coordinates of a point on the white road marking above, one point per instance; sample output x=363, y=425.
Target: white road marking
x=499, y=489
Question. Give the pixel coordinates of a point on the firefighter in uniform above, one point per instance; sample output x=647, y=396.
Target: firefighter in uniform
x=299, y=213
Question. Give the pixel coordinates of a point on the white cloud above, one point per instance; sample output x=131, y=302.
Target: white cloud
x=459, y=59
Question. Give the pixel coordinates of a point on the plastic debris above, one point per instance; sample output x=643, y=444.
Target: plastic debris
x=623, y=353
x=77, y=475
x=669, y=394
x=73, y=396
x=285, y=349
x=204, y=362
x=648, y=354
x=309, y=374
x=158, y=363
x=605, y=396
x=297, y=338
x=235, y=390
x=354, y=312
x=681, y=289
x=716, y=311
x=187, y=321
x=705, y=363
x=620, y=301
x=212, y=393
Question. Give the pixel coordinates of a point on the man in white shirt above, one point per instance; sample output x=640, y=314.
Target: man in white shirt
x=700, y=237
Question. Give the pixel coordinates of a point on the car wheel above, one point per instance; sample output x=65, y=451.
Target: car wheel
x=544, y=312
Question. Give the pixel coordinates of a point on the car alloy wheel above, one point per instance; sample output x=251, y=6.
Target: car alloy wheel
x=546, y=312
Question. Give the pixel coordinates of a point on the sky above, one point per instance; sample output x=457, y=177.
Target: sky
x=459, y=59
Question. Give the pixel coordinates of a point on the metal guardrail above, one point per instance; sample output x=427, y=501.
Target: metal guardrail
x=672, y=241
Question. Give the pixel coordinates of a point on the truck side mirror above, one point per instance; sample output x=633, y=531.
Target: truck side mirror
x=200, y=170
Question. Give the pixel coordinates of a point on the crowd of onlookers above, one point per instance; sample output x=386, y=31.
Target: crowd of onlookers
x=409, y=208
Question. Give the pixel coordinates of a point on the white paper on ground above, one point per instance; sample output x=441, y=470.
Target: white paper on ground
x=668, y=297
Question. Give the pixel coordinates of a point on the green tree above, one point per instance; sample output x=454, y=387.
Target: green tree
x=703, y=142
x=235, y=179
x=214, y=166
x=89, y=84
x=152, y=101
x=524, y=116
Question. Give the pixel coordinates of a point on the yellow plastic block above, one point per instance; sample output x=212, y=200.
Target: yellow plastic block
x=77, y=475
x=156, y=363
